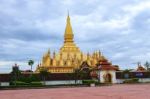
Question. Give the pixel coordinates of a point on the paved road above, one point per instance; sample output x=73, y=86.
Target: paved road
x=138, y=91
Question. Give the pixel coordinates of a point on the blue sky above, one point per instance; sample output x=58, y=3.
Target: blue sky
x=119, y=28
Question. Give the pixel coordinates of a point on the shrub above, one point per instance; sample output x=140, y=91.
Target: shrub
x=88, y=82
x=19, y=83
x=133, y=80
x=29, y=79
x=36, y=83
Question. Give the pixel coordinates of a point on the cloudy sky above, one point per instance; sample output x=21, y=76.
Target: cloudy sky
x=119, y=28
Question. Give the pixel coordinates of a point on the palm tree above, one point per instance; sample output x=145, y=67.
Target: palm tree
x=30, y=63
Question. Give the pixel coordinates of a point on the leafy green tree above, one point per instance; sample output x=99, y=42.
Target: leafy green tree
x=126, y=70
x=84, y=74
x=30, y=63
x=15, y=73
x=76, y=75
x=80, y=74
x=44, y=73
x=126, y=73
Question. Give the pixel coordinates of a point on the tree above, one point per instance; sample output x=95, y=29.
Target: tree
x=84, y=70
x=44, y=73
x=126, y=73
x=127, y=70
x=30, y=63
x=76, y=74
x=81, y=73
x=15, y=73
x=147, y=65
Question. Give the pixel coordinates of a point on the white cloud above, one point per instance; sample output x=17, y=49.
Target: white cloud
x=116, y=23
x=118, y=55
x=29, y=28
x=137, y=8
x=67, y=2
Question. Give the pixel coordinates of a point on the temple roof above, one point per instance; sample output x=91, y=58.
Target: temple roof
x=105, y=65
x=68, y=36
x=69, y=45
x=141, y=69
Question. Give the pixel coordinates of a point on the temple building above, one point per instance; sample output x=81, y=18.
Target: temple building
x=69, y=57
x=106, y=71
x=140, y=68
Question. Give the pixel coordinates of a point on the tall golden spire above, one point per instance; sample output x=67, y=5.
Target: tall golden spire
x=68, y=31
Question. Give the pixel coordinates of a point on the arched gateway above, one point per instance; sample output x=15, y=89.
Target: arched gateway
x=108, y=78
x=106, y=71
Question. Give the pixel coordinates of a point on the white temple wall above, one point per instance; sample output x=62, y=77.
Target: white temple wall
x=104, y=72
x=141, y=80
x=62, y=82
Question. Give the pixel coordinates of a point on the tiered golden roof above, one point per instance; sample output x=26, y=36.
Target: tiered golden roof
x=69, y=57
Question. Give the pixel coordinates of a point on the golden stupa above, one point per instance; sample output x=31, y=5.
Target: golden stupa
x=69, y=57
